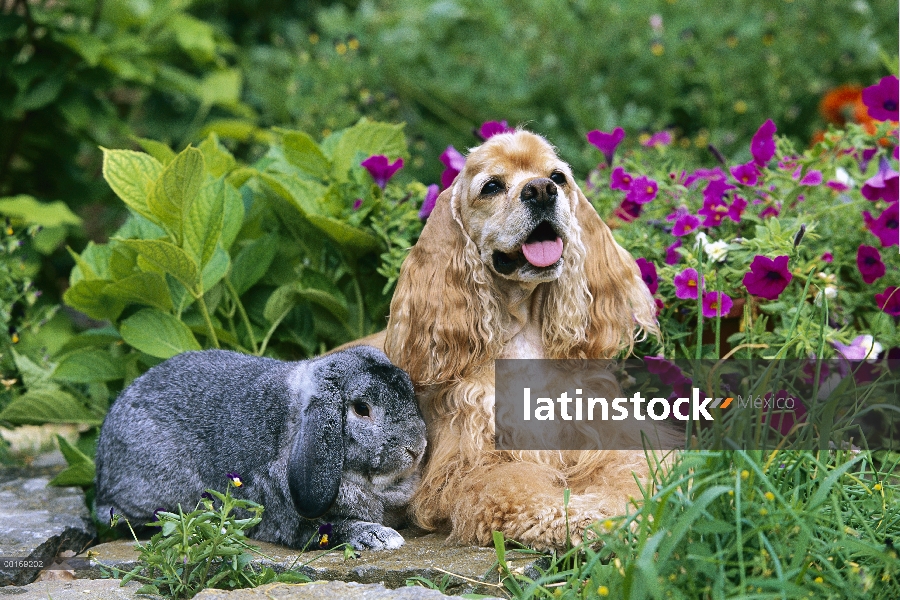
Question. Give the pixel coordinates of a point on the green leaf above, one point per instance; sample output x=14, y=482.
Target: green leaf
x=215, y=269
x=167, y=258
x=89, y=297
x=90, y=47
x=176, y=189
x=149, y=289
x=252, y=262
x=131, y=176
x=88, y=365
x=304, y=153
x=92, y=263
x=219, y=160
x=37, y=407
x=194, y=36
x=286, y=296
x=302, y=193
x=157, y=150
x=234, y=216
x=347, y=236
x=81, y=470
x=221, y=88
x=158, y=334
x=32, y=212
x=202, y=226
x=368, y=138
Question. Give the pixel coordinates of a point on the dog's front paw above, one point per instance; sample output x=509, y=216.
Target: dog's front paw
x=372, y=536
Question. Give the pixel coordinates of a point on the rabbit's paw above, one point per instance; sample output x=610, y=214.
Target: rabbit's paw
x=372, y=536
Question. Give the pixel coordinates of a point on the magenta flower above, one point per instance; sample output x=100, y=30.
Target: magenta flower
x=828, y=257
x=736, y=209
x=454, y=163
x=713, y=212
x=746, y=174
x=762, y=146
x=672, y=257
x=606, y=143
x=861, y=348
x=889, y=301
x=662, y=138
x=648, y=274
x=716, y=188
x=882, y=99
x=492, y=128
x=620, y=179
x=687, y=284
x=767, y=277
x=431, y=196
x=886, y=226
x=642, y=190
x=867, y=156
x=716, y=304
x=685, y=224
x=784, y=420
x=812, y=178
x=628, y=210
x=381, y=169
x=357, y=203
x=885, y=185
x=868, y=260
x=770, y=211
x=708, y=174
x=836, y=185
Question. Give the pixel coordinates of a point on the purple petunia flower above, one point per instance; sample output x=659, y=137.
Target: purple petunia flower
x=430, y=200
x=867, y=156
x=762, y=146
x=673, y=257
x=746, y=174
x=628, y=210
x=868, y=260
x=882, y=99
x=685, y=224
x=716, y=304
x=642, y=190
x=662, y=138
x=861, y=348
x=381, y=169
x=357, y=204
x=492, y=128
x=828, y=257
x=812, y=178
x=620, y=179
x=716, y=188
x=687, y=284
x=885, y=185
x=767, y=277
x=606, y=143
x=889, y=301
x=708, y=174
x=454, y=163
x=736, y=208
x=887, y=226
x=648, y=274
x=770, y=211
x=713, y=212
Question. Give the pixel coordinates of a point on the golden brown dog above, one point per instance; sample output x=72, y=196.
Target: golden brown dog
x=514, y=262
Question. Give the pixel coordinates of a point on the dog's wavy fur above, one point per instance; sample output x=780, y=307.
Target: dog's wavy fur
x=452, y=315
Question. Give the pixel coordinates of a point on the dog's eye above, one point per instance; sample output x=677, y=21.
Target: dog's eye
x=362, y=409
x=558, y=177
x=491, y=187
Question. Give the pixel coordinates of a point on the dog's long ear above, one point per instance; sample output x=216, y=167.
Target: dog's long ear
x=436, y=331
x=621, y=301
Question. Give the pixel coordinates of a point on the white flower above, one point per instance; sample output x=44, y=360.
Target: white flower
x=702, y=240
x=717, y=250
x=830, y=292
x=842, y=176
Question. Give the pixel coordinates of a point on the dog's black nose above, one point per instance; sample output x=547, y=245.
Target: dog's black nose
x=539, y=191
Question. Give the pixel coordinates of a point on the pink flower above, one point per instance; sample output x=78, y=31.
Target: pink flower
x=620, y=179
x=886, y=226
x=868, y=260
x=885, y=185
x=642, y=190
x=736, y=209
x=662, y=138
x=889, y=301
x=713, y=211
x=454, y=163
x=762, y=146
x=685, y=224
x=828, y=257
x=716, y=304
x=746, y=174
x=770, y=211
x=381, y=169
x=767, y=277
x=492, y=128
x=628, y=210
x=861, y=348
x=648, y=274
x=606, y=142
x=430, y=200
x=687, y=284
x=672, y=257
x=357, y=204
x=812, y=178
x=882, y=99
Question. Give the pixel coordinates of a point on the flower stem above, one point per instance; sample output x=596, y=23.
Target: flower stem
x=203, y=311
x=243, y=313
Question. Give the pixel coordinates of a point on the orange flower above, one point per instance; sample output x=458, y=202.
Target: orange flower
x=844, y=103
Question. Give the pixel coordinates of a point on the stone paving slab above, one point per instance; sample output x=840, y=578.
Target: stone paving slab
x=80, y=589
x=39, y=522
x=331, y=590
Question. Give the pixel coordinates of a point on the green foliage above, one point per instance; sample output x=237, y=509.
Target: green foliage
x=204, y=548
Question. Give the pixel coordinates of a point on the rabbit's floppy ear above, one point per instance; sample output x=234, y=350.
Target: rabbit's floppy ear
x=317, y=458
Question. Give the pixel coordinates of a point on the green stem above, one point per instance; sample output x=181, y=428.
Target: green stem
x=269, y=333
x=244, y=318
x=203, y=311
x=698, y=354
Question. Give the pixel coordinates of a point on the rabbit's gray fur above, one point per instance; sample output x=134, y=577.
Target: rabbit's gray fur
x=288, y=428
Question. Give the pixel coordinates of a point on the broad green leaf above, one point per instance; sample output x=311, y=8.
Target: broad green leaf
x=32, y=212
x=237, y=129
x=122, y=261
x=221, y=88
x=81, y=470
x=92, y=263
x=158, y=334
x=233, y=219
x=140, y=228
x=131, y=176
x=167, y=258
x=347, y=236
x=34, y=376
x=286, y=296
x=194, y=36
x=202, y=226
x=302, y=193
x=88, y=365
x=157, y=150
x=215, y=269
x=89, y=297
x=219, y=160
x=91, y=338
x=368, y=138
x=240, y=176
x=89, y=46
x=41, y=94
x=176, y=189
x=37, y=407
x=252, y=262
x=304, y=153
x=149, y=289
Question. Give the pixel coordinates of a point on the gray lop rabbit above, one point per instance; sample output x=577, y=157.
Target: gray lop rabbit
x=337, y=439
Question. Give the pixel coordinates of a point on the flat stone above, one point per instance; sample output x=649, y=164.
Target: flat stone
x=325, y=591
x=39, y=522
x=79, y=589
x=425, y=555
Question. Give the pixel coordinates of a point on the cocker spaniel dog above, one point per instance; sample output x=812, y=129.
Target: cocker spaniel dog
x=514, y=262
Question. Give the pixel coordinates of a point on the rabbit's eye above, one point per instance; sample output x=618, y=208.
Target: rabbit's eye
x=362, y=409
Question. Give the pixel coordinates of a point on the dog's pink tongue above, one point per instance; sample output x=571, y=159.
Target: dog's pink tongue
x=543, y=254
